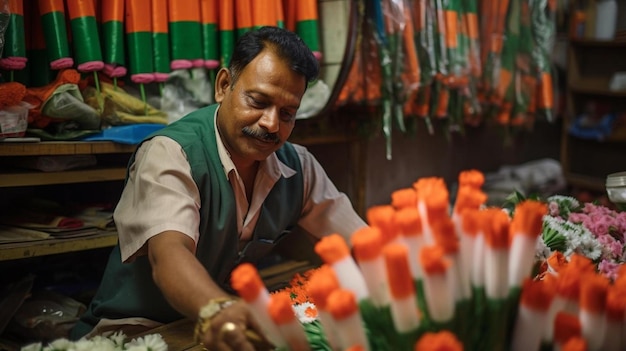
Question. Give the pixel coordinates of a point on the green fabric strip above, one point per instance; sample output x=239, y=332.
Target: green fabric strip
x=113, y=45
x=227, y=45
x=55, y=35
x=86, y=39
x=210, y=42
x=161, y=42
x=139, y=52
x=15, y=42
x=308, y=30
x=185, y=36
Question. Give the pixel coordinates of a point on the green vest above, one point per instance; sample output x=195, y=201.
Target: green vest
x=127, y=289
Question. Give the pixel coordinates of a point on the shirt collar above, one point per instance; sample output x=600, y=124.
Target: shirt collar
x=272, y=165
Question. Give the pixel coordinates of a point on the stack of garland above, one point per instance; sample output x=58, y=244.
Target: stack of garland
x=422, y=274
x=460, y=61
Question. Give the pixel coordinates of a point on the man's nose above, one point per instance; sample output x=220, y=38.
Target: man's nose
x=270, y=120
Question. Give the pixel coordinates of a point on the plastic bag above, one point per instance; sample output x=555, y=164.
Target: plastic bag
x=46, y=316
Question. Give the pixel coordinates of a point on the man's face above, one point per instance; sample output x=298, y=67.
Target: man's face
x=258, y=111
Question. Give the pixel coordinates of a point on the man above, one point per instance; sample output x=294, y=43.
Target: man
x=218, y=187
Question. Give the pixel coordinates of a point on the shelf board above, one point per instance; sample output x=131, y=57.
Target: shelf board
x=66, y=177
x=595, y=43
x=64, y=148
x=13, y=251
x=585, y=181
x=596, y=87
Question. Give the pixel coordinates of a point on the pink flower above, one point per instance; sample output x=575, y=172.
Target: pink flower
x=553, y=207
x=609, y=269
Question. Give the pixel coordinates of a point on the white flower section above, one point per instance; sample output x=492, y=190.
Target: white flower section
x=301, y=312
x=115, y=342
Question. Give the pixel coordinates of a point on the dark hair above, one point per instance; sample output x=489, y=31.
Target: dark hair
x=285, y=43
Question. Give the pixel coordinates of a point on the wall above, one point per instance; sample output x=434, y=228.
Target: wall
x=421, y=155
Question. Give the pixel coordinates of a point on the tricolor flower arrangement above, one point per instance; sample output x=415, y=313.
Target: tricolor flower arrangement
x=428, y=276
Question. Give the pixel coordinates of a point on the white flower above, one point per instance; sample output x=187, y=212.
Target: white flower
x=59, y=344
x=32, y=347
x=152, y=342
x=137, y=348
x=118, y=338
x=301, y=312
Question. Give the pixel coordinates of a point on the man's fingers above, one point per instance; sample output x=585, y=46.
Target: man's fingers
x=234, y=337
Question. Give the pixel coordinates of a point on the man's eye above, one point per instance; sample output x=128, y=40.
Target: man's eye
x=287, y=116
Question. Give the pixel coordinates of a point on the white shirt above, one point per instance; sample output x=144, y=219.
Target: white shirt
x=161, y=195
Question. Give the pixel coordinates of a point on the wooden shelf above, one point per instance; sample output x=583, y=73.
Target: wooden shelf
x=594, y=87
x=585, y=181
x=595, y=43
x=12, y=251
x=66, y=177
x=63, y=148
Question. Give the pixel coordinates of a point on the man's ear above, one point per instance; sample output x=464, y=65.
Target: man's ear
x=222, y=84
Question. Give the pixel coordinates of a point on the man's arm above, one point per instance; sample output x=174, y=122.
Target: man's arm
x=179, y=275
x=188, y=287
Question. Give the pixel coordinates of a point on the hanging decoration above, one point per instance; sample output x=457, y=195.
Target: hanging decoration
x=485, y=61
x=185, y=34
x=38, y=71
x=226, y=26
x=85, y=36
x=307, y=25
x=114, y=55
x=14, y=52
x=160, y=40
x=243, y=17
x=57, y=47
x=210, y=49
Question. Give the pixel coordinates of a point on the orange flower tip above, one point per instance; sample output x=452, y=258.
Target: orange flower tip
x=445, y=235
x=332, y=248
x=568, y=284
x=280, y=308
x=356, y=348
x=471, y=177
x=468, y=198
x=581, y=263
x=409, y=221
x=593, y=292
x=398, y=271
x=557, y=261
x=366, y=243
x=537, y=295
x=321, y=284
x=616, y=303
x=566, y=326
x=245, y=279
x=438, y=341
x=496, y=225
x=404, y=198
x=433, y=260
x=528, y=218
x=311, y=312
x=471, y=222
x=576, y=343
x=383, y=217
x=426, y=185
x=437, y=201
x=342, y=304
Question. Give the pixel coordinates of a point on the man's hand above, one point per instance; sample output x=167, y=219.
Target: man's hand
x=232, y=328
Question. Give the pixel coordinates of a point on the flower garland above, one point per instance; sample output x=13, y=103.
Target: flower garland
x=591, y=230
x=576, y=302
x=115, y=342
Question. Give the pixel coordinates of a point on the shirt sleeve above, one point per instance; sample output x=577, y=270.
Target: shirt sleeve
x=159, y=195
x=326, y=210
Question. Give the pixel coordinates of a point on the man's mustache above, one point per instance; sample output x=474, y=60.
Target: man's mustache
x=260, y=134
